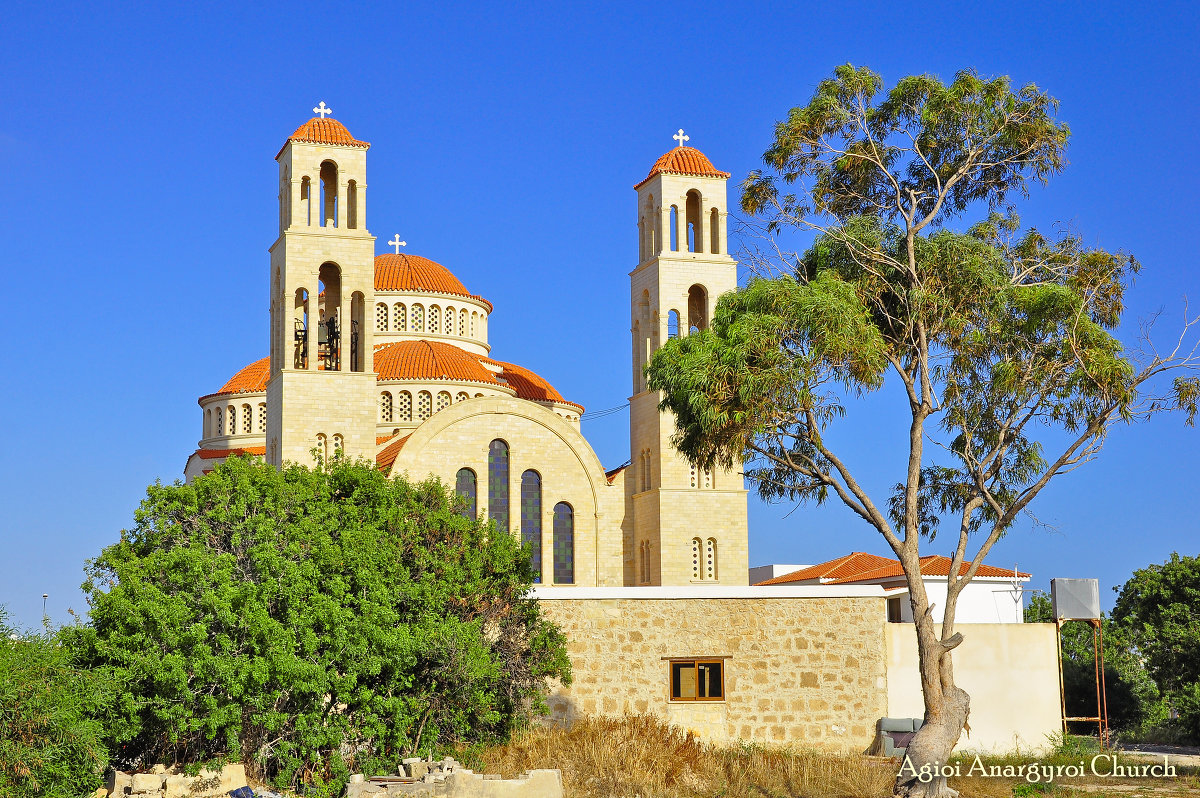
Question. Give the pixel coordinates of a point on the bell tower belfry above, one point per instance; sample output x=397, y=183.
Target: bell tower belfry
x=689, y=524
x=321, y=389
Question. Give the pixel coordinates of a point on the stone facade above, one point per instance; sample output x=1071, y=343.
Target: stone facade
x=799, y=669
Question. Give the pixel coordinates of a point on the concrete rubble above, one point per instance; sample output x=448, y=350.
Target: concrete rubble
x=449, y=779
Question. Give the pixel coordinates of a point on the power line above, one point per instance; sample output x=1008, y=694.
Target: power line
x=608, y=411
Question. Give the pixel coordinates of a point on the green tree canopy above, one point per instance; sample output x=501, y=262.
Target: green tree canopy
x=313, y=622
x=1000, y=340
x=1160, y=608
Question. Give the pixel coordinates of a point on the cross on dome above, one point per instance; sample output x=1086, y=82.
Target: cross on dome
x=680, y=137
x=397, y=243
x=321, y=110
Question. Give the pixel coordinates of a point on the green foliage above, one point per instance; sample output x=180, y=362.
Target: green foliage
x=50, y=742
x=1160, y=607
x=313, y=623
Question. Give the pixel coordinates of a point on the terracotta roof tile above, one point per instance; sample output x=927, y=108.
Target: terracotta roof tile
x=251, y=379
x=529, y=385
x=385, y=458
x=414, y=273
x=861, y=567
x=325, y=131
x=429, y=360
x=212, y=454
x=684, y=161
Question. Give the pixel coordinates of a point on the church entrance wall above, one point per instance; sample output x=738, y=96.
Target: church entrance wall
x=795, y=669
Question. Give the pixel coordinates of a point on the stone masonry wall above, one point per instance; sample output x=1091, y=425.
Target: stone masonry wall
x=809, y=672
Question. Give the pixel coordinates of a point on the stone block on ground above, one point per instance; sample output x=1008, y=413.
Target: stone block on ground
x=117, y=783
x=146, y=782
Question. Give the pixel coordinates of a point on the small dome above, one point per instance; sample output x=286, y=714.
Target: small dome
x=414, y=273
x=251, y=379
x=326, y=131
x=429, y=360
x=684, y=161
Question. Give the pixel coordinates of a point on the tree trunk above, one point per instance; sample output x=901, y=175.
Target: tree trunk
x=921, y=774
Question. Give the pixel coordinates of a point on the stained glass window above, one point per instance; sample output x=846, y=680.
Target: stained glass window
x=464, y=486
x=531, y=519
x=564, y=544
x=498, y=483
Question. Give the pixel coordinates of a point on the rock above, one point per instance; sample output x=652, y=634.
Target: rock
x=356, y=778
x=418, y=769
x=232, y=777
x=146, y=782
x=177, y=786
x=117, y=783
x=159, y=769
x=100, y=793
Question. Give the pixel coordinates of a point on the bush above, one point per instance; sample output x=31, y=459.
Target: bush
x=49, y=743
x=313, y=623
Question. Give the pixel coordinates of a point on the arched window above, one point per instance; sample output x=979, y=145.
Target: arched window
x=710, y=558
x=695, y=238
x=220, y=428
x=443, y=400
x=645, y=562
x=697, y=309
x=418, y=318
x=262, y=417
x=641, y=239
x=478, y=396
x=322, y=447
x=424, y=405
x=329, y=194
x=673, y=324
x=449, y=328
x=435, y=317
x=462, y=323
x=247, y=420
x=385, y=407
x=696, y=560
x=462, y=396
x=403, y=410
x=399, y=318
x=464, y=486
x=381, y=317
x=300, y=328
x=339, y=445
x=714, y=231
x=306, y=199
x=352, y=204
x=473, y=315
x=674, y=228
x=498, y=483
x=531, y=519
x=231, y=420
x=564, y=544
x=355, y=341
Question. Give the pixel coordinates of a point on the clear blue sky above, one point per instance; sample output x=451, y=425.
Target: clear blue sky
x=138, y=203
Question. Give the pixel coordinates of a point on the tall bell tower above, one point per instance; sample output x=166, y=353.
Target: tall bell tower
x=321, y=389
x=689, y=524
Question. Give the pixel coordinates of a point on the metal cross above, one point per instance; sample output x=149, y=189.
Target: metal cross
x=397, y=243
x=321, y=110
x=680, y=137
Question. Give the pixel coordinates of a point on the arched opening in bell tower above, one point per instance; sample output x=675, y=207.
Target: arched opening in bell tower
x=306, y=199
x=673, y=324
x=329, y=194
x=714, y=231
x=695, y=240
x=330, y=317
x=300, y=329
x=352, y=205
x=358, y=310
x=674, y=228
x=697, y=309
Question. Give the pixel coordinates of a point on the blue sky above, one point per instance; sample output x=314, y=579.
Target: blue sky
x=139, y=201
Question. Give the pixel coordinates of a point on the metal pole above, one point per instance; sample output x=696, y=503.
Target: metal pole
x=1103, y=686
x=1096, y=658
x=1062, y=695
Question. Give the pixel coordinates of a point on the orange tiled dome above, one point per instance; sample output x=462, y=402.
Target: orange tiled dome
x=326, y=131
x=251, y=379
x=684, y=161
x=414, y=273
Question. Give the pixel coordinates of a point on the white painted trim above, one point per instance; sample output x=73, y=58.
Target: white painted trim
x=707, y=592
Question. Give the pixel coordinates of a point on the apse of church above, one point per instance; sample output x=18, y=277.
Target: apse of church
x=388, y=357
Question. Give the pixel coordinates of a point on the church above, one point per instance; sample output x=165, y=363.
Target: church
x=387, y=357
x=643, y=566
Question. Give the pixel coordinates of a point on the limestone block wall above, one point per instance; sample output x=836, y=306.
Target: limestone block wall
x=806, y=668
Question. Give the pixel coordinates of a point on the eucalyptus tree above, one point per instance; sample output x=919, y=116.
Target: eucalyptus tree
x=1001, y=340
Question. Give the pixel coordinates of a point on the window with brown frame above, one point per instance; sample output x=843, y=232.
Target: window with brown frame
x=697, y=680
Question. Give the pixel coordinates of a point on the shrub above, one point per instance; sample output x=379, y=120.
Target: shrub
x=49, y=743
x=313, y=623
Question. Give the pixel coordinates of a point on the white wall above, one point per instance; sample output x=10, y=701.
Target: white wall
x=1009, y=670
x=982, y=601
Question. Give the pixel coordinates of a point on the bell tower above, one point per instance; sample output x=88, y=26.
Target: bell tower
x=321, y=389
x=689, y=524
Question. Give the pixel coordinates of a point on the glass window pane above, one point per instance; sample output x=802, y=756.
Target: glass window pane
x=683, y=680
x=498, y=483
x=531, y=519
x=464, y=486
x=564, y=544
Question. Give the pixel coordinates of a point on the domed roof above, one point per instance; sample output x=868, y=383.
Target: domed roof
x=251, y=379
x=684, y=161
x=326, y=131
x=432, y=361
x=414, y=273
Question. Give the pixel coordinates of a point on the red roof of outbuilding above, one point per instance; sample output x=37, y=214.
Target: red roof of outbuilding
x=862, y=567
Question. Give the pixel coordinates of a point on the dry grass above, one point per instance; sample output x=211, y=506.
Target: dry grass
x=640, y=755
